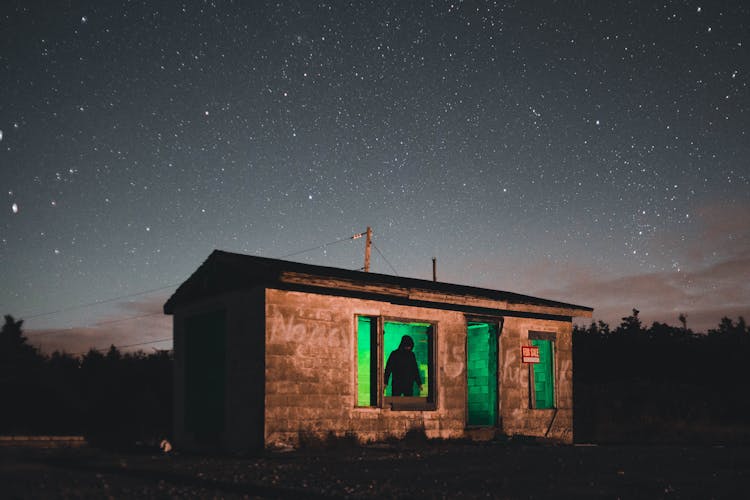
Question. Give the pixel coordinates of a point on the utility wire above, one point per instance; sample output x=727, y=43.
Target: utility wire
x=95, y=325
x=339, y=240
x=124, y=346
x=145, y=292
x=136, y=294
x=103, y=301
x=386, y=260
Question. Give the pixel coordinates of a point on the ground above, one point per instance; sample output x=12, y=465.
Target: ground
x=498, y=469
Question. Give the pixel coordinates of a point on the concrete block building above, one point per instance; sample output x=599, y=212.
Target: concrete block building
x=270, y=352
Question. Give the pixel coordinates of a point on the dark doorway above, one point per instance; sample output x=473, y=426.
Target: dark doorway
x=205, y=362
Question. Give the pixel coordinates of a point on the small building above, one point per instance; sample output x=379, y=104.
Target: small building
x=270, y=352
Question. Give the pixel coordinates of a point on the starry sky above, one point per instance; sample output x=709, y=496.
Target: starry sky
x=588, y=152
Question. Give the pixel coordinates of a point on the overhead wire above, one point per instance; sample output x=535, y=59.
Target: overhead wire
x=124, y=346
x=386, y=260
x=145, y=292
x=165, y=287
x=44, y=333
x=97, y=302
x=339, y=240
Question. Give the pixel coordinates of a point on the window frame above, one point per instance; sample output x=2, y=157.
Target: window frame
x=397, y=403
x=552, y=338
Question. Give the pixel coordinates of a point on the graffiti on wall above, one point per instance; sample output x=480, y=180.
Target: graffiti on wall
x=511, y=367
x=287, y=326
x=565, y=371
x=454, y=365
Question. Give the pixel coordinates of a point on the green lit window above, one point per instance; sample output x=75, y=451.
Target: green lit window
x=542, y=373
x=395, y=363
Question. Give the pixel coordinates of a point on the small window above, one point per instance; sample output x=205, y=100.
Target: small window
x=395, y=364
x=542, y=381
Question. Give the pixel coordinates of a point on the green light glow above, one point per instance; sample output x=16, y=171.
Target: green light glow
x=364, y=378
x=481, y=373
x=419, y=332
x=544, y=383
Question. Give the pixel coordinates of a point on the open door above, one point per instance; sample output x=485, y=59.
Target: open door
x=481, y=374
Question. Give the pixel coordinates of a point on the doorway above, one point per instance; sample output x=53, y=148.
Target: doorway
x=481, y=373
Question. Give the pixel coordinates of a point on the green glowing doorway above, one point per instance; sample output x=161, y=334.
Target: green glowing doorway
x=481, y=374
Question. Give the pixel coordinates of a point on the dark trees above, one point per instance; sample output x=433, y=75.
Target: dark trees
x=114, y=398
x=660, y=383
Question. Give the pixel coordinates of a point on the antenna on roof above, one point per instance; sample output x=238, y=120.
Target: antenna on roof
x=434, y=269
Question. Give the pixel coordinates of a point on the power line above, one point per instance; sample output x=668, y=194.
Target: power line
x=136, y=294
x=124, y=346
x=97, y=302
x=386, y=260
x=339, y=240
x=145, y=292
x=95, y=325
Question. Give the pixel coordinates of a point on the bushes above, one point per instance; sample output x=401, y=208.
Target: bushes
x=661, y=383
x=111, y=398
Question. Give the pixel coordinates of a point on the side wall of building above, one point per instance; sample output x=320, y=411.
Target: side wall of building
x=310, y=379
x=243, y=376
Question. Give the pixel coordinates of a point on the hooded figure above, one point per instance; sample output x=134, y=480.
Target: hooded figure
x=403, y=365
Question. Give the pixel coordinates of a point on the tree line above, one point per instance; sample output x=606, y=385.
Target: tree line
x=631, y=383
x=635, y=383
x=112, y=398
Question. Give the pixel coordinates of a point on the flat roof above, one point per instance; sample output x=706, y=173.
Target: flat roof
x=226, y=271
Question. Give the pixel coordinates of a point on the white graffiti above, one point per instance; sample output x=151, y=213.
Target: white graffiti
x=290, y=327
x=565, y=371
x=511, y=367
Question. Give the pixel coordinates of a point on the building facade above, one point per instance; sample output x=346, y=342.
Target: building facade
x=269, y=353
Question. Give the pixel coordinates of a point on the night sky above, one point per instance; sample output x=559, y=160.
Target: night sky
x=589, y=152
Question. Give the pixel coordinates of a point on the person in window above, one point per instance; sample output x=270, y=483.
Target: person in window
x=403, y=365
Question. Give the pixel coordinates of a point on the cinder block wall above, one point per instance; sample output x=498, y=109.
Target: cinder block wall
x=310, y=371
x=243, y=425
x=310, y=363
x=518, y=417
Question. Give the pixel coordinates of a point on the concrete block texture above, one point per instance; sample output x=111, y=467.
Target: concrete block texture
x=292, y=373
x=320, y=331
x=310, y=365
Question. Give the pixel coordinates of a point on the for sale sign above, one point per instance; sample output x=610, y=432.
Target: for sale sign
x=530, y=354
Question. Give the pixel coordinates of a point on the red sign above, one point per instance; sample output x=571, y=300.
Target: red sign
x=529, y=354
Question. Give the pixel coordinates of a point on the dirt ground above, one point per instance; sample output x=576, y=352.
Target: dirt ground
x=498, y=469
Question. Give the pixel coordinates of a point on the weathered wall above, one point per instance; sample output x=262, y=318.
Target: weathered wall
x=243, y=426
x=310, y=373
x=291, y=361
x=311, y=362
x=517, y=416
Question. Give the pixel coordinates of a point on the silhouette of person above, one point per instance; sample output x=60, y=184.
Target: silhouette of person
x=403, y=365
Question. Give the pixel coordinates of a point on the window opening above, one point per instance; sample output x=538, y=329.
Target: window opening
x=376, y=343
x=420, y=334
x=542, y=375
